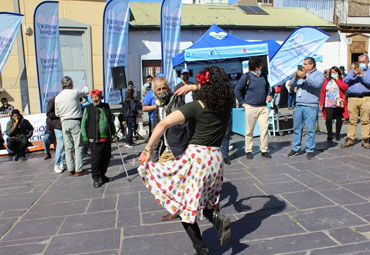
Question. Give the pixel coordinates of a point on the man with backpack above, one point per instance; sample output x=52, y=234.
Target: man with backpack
x=252, y=91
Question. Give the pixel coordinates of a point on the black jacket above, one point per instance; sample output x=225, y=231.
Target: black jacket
x=23, y=128
x=50, y=113
x=177, y=136
x=92, y=122
x=129, y=109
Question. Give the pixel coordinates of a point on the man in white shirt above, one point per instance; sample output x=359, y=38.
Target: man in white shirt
x=68, y=109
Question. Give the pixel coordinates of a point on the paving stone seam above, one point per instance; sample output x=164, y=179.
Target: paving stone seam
x=153, y=234
x=246, y=170
x=343, y=245
x=92, y=253
x=327, y=233
x=139, y=206
x=121, y=238
x=339, y=186
x=286, y=201
x=30, y=207
x=56, y=234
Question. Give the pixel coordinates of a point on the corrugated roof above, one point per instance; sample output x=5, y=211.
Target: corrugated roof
x=202, y=15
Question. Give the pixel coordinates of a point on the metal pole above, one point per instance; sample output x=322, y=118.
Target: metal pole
x=23, y=81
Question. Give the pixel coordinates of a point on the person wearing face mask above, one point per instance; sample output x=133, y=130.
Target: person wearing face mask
x=98, y=128
x=308, y=82
x=333, y=102
x=358, y=93
x=162, y=93
x=252, y=92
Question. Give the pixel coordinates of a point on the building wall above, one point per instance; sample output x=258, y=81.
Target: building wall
x=87, y=11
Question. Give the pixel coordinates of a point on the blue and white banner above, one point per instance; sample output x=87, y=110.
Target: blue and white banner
x=301, y=43
x=170, y=36
x=47, y=47
x=9, y=26
x=115, y=44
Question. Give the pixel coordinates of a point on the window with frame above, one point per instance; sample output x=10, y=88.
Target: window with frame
x=264, y=1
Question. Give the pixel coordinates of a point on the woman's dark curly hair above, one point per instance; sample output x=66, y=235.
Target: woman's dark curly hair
x=216, y=92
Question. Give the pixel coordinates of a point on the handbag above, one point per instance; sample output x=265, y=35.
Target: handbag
x=339, y=102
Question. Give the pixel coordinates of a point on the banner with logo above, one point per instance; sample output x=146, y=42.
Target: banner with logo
x=47, y=47
x=115, y=45
x=301, y=43
x=9, y=26
x=170, y=36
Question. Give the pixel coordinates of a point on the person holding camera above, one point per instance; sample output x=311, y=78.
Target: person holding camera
x=358, y=93
x=308, y=81
x=333, y=102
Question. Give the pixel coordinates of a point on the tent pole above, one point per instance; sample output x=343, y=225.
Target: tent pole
x=186, y=65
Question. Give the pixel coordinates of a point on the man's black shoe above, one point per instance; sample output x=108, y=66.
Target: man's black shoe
x=96, y=184
x=202, y=251
x=249, y=155
x=310, y=155
x=265, y=155
x=104, y=179
x=293, y=153
x=227, y=161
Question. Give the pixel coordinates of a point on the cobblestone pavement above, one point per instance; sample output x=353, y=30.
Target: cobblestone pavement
x=277, y=206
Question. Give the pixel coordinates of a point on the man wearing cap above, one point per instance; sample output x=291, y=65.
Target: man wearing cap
x=68, y=109
x=19, y=131
x=185, y=75
x=98, y=129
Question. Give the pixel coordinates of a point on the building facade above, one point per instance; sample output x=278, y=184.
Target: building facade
x=81, y=40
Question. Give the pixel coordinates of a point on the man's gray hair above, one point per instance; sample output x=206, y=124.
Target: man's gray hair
x=311, y=61
x=66, y=82
x=364, y=56
x=160, y=78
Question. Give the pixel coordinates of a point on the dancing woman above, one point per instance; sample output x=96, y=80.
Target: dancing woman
x=190, y=185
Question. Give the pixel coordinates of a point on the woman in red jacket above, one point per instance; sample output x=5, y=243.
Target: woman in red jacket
x=334, y=102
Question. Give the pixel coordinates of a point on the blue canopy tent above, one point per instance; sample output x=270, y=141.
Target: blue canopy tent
x=216, y=44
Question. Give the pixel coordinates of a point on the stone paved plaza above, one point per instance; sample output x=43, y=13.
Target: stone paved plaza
x=278, y=206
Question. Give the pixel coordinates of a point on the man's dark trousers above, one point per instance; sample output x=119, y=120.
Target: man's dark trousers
x=18, y=144
x=100, y=157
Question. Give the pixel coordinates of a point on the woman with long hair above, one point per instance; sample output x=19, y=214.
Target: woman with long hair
x=333, y=102
x=190, y=185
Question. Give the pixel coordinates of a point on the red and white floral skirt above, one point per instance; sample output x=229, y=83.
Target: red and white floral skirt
x=187, y=184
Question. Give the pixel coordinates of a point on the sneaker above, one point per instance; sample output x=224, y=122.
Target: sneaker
x=310, y=155
x=16, y=157
x=127, y=145
x=249, y=155
x=227, y=161
x=348, y=142
x=47, y=156
x=231, y=147
x=365, y=143
x=293, y=153
x=57, y=170
x=61, y=167
x=265, y=155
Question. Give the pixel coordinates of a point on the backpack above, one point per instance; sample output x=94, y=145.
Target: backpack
x=248, y=82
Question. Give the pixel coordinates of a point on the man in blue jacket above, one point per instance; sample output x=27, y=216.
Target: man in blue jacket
x=257, y=91
x=308, y=82
x=358, y=93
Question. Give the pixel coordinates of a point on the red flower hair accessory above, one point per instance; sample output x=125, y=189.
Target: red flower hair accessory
x=203, y=77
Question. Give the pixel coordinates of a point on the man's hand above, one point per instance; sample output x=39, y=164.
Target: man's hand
x=356, y=71
x=361, y=73
x=244, y=105
x=269, y=99
x=300, y=74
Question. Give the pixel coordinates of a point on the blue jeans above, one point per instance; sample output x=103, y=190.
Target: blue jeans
x=226, y=140
x=305, y=116
x=59, y=152
x=48, y=139
x=291, y=100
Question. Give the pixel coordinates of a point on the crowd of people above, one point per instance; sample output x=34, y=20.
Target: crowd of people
x=189, y=130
